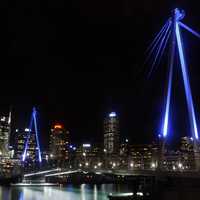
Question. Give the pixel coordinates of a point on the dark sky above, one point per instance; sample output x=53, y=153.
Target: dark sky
x=77, y=60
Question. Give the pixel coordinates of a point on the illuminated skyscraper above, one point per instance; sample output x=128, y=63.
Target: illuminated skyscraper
x=187, y=144
x=111, y=134
x=59, y=143
x=20, y=140
x=5, y=128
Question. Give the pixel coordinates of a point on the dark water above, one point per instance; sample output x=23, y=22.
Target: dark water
x=69, y=192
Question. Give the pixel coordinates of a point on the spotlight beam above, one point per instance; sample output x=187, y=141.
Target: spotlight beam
x=189, y=29
x=188, y=93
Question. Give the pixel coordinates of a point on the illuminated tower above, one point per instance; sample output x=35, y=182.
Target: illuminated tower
x=111, y=134
x=5, y=128
x=59, y=143
x=172, y=29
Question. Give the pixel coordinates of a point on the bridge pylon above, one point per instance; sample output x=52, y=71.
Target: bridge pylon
x=172, y=30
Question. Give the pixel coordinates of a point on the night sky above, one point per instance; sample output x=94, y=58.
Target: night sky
x=78, y=60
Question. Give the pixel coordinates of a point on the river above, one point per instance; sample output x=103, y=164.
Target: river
x=69, y=192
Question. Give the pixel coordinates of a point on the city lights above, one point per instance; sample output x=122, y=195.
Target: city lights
x=153, y=165
x=180, y=165
x=57, y=126
x=84, y=154
x=87, y=145
x=112, y=114
x=112, y=153
x=3, y=119
x=28, y=130
x=131, y=165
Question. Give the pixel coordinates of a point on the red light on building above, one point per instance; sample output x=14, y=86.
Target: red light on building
x=58, y=126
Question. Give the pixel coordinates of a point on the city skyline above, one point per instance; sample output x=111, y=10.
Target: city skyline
x=76, y=74
x=100, y=100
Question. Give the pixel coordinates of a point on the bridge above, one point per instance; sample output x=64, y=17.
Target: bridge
x=170, y=34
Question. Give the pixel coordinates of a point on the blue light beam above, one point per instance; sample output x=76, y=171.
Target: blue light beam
x=159, y=49
x=189, y=29
x=188, y=93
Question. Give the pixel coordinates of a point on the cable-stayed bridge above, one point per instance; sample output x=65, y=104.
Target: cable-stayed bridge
x=169, y=36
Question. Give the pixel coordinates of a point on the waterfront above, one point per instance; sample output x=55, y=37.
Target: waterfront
x=68, y=192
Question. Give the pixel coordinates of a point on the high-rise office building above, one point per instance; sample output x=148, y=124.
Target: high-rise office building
x=111, y=134
x=88, y=155
x=5, y=128
x=59, y=143
x=20, y=140
x=186, y=144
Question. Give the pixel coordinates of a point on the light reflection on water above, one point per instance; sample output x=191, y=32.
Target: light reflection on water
x=69, y=192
